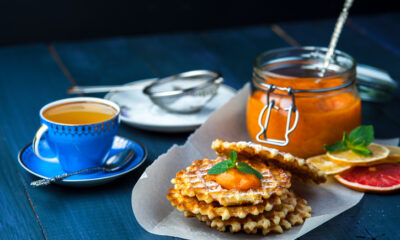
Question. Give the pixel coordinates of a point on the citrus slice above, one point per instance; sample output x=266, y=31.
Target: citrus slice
x=379, y=152
x=394, y=155
x=378, y=178
x=323, y=163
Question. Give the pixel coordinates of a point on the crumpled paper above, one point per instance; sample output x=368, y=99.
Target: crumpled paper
x=155, y=213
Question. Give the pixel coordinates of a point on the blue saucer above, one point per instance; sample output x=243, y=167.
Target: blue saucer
x=45, y=169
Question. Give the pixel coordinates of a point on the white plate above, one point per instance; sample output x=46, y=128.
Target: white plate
x=138, y=111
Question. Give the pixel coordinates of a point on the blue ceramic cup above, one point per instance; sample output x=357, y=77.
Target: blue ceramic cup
x=77, y=146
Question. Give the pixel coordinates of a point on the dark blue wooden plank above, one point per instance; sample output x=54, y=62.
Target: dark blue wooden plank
x=171, y=54
x=181, y=52
x=108, y=61
x=29, y=78
x=374, y=217
x=383, y=29
x=238, y=48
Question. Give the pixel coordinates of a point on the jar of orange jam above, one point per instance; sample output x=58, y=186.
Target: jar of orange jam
x=295, y=107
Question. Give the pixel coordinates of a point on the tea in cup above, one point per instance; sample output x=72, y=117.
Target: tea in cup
x=80, y=131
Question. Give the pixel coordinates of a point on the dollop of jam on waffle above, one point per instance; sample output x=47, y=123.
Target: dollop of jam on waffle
x=234, y=179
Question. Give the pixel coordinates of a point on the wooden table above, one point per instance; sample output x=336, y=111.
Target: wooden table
x=33, y=75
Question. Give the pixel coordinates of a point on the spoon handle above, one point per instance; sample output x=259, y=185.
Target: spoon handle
x=47, y=181
x=98, y=89
x=108, y=88
x=336, y=33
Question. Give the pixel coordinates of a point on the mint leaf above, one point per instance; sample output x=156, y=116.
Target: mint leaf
x=365, y=152
x=225, y=165
x=345, y=140
x=233, y=157
x=336, y=147
x=221, y=167
x=357, y=141
x=246, y=168
x=362, y=135
x=345, y=137
x=361, y=150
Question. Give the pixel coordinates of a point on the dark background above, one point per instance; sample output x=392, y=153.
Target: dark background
x=23, y=21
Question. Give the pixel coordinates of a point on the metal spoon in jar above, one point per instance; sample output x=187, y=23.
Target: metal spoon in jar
x=112, y=164
x=335, y=35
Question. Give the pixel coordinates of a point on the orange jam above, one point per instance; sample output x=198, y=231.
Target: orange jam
x=234, y=179
x=323, y=116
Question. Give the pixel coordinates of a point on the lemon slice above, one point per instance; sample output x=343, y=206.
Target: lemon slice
x=394, y=155
x=379, y=153
x=323, y=163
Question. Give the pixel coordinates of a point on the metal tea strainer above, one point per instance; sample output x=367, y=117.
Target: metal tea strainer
x=185, y=92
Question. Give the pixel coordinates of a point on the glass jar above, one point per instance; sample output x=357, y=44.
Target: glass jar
x=294, y=107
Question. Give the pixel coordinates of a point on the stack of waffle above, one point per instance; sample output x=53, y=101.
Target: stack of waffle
x=273, y=207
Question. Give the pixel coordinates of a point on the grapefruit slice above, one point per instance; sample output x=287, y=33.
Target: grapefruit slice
x=323, y=163
x=379, y=153
x=378, y=178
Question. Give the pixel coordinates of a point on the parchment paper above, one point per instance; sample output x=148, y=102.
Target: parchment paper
x=155, y=213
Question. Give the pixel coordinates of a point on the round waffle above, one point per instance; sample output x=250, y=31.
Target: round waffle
x=193, y=182
x=191, y=205
x=283, y=217
x=297, y=166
